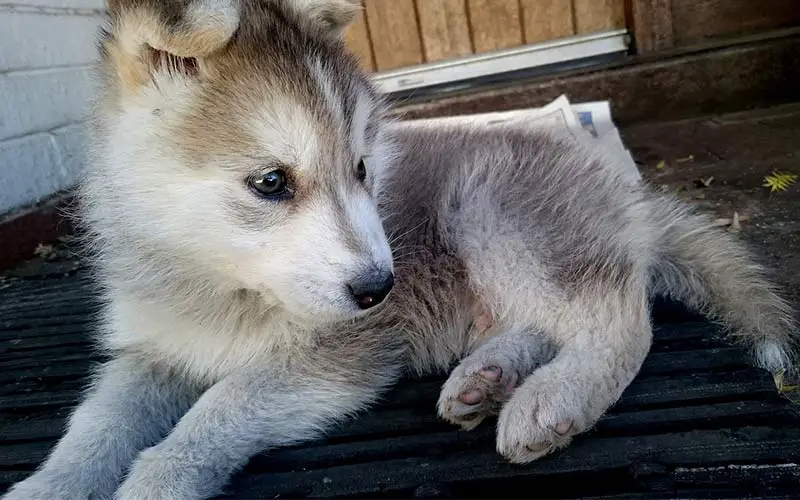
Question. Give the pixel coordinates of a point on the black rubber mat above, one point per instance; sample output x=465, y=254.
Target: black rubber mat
x=698, y=422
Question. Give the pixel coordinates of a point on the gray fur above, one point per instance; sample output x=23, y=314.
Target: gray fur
x=226, y=316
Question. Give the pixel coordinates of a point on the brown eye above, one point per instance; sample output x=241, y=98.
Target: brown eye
x=361, y=171
x=273, y=184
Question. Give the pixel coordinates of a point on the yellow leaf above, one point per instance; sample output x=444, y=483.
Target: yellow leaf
x=779, y=181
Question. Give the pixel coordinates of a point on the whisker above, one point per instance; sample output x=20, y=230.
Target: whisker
x=393, y=238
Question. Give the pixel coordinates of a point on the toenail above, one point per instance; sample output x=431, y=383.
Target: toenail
x=538, y=447
x=511, y=384
x=471, y=397
x=492, y=373
x=563, y=428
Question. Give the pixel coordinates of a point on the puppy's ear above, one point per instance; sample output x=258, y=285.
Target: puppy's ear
x=332, y=16
x=148, y=36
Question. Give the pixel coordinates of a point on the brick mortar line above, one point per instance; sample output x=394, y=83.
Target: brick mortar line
x=56, y=68
x=48, y=131
x=13, y=8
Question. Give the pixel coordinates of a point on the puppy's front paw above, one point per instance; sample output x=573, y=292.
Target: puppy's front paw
x=32, y=489
x=156, y=475
x=48, y=485
x=541, y=418
x=476, y=389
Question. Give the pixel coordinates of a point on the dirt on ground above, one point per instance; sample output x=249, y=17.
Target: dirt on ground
x=720, y=163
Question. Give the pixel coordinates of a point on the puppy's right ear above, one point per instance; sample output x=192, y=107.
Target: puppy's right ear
x=147, y=36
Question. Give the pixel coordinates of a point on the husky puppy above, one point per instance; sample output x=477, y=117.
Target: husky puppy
x=274, y=253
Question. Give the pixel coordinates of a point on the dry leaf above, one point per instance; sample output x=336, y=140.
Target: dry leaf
x=46, y=252
x=785, y=388
x=735, y=226
x=737, y=219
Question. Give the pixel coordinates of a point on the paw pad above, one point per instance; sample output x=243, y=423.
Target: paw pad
x=472, y=394
x=472, y=397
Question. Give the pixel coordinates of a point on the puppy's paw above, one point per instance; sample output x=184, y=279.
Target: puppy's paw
x=477, y=388
x=31, y=489
x=49, y=485
x=541, y=418
x=161, y=474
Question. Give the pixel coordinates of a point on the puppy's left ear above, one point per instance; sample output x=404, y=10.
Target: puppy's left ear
x=331, y=15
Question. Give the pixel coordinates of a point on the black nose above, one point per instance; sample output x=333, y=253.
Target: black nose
x=370, y=290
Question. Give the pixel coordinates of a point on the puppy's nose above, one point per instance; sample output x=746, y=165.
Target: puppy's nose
x=370, y=290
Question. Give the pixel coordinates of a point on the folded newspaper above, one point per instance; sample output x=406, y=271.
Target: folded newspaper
x=590, y=120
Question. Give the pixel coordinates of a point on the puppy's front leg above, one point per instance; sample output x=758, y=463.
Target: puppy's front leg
x=247, y=413
x=131, y=406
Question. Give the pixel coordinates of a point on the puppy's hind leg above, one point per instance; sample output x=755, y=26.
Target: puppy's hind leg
x=568, y=395
x=131, y=406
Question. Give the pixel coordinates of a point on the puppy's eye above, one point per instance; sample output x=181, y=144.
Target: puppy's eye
x=273, y=184
x=361, y=171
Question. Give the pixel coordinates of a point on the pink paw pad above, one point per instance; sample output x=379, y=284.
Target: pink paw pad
x=472, y=397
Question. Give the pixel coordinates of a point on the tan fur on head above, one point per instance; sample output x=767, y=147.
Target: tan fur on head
x=147, y=31
x=146, y=35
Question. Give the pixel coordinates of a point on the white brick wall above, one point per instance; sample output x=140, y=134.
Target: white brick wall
x=47, y=48
x=63, y=4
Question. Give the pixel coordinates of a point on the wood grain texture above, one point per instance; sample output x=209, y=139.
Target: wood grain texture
x=544, y=20
x=697, y=20
x=445, y=29
x=357, y=38
x=394, y=32
x=495, y=24
x=593, y=16
x=652, y=25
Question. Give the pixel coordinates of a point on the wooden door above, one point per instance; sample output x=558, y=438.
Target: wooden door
x=393, y=34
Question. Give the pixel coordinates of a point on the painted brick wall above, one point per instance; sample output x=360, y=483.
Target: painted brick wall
x=47, y=48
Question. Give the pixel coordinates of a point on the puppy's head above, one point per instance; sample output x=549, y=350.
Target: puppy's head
x=239, y=140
